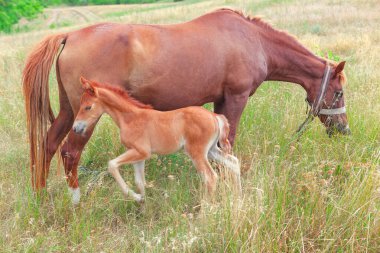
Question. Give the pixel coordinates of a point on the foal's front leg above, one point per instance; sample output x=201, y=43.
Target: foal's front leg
x=132, y=156
x=140, y=177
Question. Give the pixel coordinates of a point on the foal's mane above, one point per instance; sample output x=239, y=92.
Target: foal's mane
x=122, y=93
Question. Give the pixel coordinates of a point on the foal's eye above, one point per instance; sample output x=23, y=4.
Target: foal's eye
x=87, y=108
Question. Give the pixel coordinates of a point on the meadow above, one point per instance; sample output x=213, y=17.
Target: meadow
x=317, y=194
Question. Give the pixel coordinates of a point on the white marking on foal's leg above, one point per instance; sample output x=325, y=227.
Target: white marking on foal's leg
x=140, y=177
x=75, y=195
x=113, y=169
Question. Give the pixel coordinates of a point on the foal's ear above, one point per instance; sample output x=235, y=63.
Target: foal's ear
x=87, y=86
x=339, y=68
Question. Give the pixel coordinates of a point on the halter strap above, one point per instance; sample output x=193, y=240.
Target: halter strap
x=335, y=111
x=322, y=92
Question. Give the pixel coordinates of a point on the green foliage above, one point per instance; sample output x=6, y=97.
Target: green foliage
x=12, y=10
x=328, y=54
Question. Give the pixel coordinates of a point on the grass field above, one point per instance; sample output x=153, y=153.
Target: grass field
x=319, y=194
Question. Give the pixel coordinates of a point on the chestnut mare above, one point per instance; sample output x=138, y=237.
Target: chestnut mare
x=144, y=131
x=220, y=57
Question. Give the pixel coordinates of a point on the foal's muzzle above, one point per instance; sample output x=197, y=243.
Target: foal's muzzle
x=79, y=127
x=338, y=128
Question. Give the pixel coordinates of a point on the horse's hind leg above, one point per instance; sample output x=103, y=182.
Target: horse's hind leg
x=58, y=130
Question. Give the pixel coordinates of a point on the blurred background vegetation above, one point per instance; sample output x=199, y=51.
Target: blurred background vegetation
x=11, y=11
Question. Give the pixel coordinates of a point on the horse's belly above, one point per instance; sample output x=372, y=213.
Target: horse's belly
x=177, y=90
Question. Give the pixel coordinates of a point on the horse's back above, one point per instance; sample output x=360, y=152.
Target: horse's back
x=156, y=61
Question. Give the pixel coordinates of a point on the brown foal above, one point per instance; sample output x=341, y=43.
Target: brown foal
x=144, y=131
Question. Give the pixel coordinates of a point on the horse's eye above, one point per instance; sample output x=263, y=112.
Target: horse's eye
x=87, y=108
x=339, y=93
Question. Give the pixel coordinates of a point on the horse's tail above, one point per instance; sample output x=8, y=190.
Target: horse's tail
x=37, y=103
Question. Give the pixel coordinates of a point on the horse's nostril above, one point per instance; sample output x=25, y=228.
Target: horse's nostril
x=347, y=131
x=338, y=128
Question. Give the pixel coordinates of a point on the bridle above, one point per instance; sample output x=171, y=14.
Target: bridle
x=316, y=107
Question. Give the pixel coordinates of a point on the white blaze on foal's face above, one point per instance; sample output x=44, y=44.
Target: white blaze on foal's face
x=90, y=108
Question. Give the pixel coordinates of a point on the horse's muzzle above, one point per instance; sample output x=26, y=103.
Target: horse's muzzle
x=338, y=128
x=79, y=127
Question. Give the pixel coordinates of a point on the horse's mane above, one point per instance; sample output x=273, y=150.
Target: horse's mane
x=266, y=26
x=256, y=20
x=261, y=23
x=122, y=93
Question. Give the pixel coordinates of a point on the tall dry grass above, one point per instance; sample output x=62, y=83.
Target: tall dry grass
x=314, y=195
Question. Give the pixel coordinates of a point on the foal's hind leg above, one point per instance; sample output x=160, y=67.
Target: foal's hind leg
x=230, y=161
x=204, y=168
x=208, y=174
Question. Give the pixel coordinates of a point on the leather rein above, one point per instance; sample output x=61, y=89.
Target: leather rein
x=316, y=107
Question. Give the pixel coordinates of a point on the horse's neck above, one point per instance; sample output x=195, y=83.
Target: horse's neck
x=291, y=62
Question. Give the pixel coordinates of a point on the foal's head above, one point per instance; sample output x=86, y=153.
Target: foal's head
x=91, y=108
x=332, y=107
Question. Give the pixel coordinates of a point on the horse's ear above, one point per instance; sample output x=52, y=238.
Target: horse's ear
x=87, y=86
x=339, y=68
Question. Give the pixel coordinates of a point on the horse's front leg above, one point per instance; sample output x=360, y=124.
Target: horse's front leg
x=132, y=156
x=71, y=152
x=232, y=107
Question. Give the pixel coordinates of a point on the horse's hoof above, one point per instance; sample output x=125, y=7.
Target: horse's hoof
x=75, y=195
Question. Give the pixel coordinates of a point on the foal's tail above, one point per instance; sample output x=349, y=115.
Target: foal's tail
x=224, y=130
x=224, y=156
x=37, y=103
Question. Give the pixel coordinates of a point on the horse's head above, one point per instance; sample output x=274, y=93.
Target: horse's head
x=328, y=103
x=90, y=108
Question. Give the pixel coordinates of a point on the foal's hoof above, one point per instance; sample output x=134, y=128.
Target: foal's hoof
x=141, y=201
x=139, y=198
